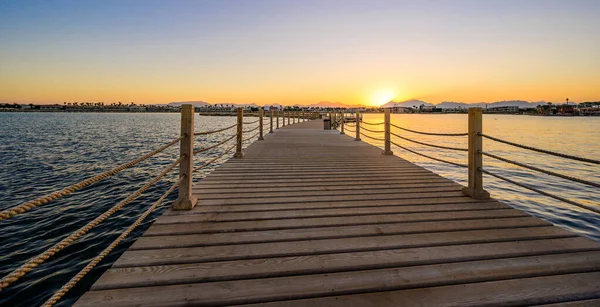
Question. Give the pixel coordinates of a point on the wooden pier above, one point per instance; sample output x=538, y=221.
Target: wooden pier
x=310, y=217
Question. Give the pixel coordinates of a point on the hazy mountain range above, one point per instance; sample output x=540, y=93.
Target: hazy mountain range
x=454, y=105
x=413, y=103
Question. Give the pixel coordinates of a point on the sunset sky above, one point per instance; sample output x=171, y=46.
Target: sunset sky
x=299, y=52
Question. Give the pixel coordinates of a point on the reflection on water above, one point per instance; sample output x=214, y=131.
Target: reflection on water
x=572, y=135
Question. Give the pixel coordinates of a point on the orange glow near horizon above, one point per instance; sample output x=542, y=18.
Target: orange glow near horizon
x=299, y=52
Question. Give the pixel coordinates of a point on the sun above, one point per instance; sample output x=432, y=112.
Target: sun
x=382, y=97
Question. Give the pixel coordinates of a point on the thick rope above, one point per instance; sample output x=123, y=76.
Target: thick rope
x=557, y=154
x=215, y=131
x=430, y=157
x=427, y=144
x=372, y=124
x=370, y=137
x=73, y=281
x=213, y=146
x=36, y=261
x=5, y=214
x=593, y=184
x=250, y=130
x=374, y=131
x=214, y=159
x=251, y=137
x=590, y=208
x=430, y=133
x=250, y=123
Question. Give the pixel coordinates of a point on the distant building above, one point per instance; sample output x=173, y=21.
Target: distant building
x=502, y=110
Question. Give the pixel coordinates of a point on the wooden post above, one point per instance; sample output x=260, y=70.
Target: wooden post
x=386, y=116
x=271, y=119
x=260, y=124
x=303, y=118
x=278, y=118
x=343, y=120
x=475, y=188
x=186, y=200
x=240, y=132
x=357, y=127
x=283, y=117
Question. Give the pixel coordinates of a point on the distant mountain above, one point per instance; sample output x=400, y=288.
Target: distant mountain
x=407, y=104
x=194, y=103
x=330, y=104
x=506, y=103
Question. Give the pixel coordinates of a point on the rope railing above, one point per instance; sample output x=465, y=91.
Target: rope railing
x=427, y=156
x=429, y=133
x=252, y=122
x=372, y=124
x=73, y=281
x=214, y=131
x=214, y=159
x=428, y=144
x=593, y=184
x=214, y=146
x=251, y=137
x=41, y=258
x=574, y=203
x=5, y=214
x=373, y=131
x=373, y=138
x=251, y=130
x=556, y=154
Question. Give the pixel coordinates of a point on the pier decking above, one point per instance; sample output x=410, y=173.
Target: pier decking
x=313, y=218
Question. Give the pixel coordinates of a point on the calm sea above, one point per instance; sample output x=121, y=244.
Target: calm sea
x=41, y=152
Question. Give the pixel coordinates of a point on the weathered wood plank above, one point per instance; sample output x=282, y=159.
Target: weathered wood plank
x=291, y=194
x=330, y=263
x=207, y=227
x=423, y=202
x=174, y=240
x=336, y=212
x=526, y=272
x=438, y=192
x=327, y=246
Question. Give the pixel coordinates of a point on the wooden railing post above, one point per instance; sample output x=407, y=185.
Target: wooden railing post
x=303, y=118
x=240, y=134
x=260, y=124
x=357, y=126
x=186, y=200
x=475, y=188
x=278, y=118
x=386, y=119
x=343, y=120
x=271, y=124
x=283, y=118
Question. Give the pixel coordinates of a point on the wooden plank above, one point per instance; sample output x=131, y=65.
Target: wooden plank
x=439, y=192
x=582, y=303
x=199, y=189
x=169, y=241
x=512, y=292
x=307, y=183
x=529, y=273
x=331, y=263
x=291, y=194
x=335, y=212
x=207, y=227
x=330, y=205
x=328, y=246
